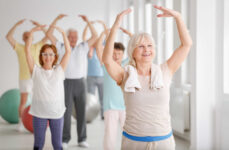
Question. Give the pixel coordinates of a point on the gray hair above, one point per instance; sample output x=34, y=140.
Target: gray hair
x=134, y=41
x=71, y=30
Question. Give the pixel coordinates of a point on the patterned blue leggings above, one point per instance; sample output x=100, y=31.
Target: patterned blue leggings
x=56, y=128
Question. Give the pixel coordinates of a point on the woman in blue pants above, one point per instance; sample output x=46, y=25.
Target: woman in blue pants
x=48, y=91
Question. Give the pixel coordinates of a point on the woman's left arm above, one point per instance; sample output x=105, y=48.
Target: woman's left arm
x=65, y=58
x=180, y=54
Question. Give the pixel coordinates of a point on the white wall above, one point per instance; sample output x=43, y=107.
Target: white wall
x=43, y=11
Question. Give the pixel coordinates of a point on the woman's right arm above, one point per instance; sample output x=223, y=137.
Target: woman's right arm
x=49, y=33
x=65, y=58
x=9, y=35
x=126, y=32
x=45, y=38
x=114, y=69
x=94, y=34
x=84, y=38
x=84, y=35
x=28, y=44
x=99, y=46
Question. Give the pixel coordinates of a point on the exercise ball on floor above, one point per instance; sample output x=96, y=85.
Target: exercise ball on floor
x=9, y=103
x=92, y=108
x=27, y=119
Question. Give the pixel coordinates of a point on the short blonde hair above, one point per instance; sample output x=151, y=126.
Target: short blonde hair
x=134, y=41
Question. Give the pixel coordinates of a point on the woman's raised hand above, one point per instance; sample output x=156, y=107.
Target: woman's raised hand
x=167, y=12
x=34, y=23
x=59, y=29
x=20, y=21
x=37, y=28
x=84, y=17
x=60, y=16
x=120, y=16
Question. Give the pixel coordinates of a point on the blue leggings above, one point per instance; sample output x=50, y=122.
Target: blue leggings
x=39, y=128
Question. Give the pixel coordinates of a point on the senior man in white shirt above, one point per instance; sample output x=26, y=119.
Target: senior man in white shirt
x=74, y=84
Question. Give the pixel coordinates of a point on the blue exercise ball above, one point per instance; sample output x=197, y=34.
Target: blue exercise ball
x=9, y=104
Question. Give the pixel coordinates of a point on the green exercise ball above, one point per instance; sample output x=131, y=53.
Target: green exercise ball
x=9, y=104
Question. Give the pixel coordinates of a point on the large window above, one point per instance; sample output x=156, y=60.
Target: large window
x=226, y=47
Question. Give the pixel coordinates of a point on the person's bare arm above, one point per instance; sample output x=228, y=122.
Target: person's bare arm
x=114, y=69
x=94, y=34
x=65, y=58
x=84, y=35
x=181, y=53
x=28, y=44
x=99, y=45
x=90, y=52
x=126, y=32
x=43, y=40
x=49, y=33
x=10, y=34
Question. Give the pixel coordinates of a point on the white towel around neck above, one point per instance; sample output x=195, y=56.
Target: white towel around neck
x=132, y=83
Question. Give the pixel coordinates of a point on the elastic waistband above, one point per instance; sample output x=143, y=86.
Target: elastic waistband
x=72, y=80
x=147, y=138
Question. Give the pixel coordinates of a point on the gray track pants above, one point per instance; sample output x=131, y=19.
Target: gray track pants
x=75, y=93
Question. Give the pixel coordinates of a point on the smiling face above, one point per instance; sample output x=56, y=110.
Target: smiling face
x=141, y=49
x=48, y=56
x=72, y=37
x=144, y=51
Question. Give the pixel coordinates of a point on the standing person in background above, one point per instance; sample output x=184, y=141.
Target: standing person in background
x=74, y=84
x=48, y=91
x=95, y=71
x=114, y=108
x=146, y=86
x=25, y=83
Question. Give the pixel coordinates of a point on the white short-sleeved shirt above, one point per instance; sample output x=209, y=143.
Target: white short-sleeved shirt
x=48, y=93
x=77, y=65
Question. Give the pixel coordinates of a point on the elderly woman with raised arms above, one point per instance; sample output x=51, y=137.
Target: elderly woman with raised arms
x=146, y=85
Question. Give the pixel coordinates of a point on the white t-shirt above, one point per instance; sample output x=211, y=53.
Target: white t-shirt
x=77, y=65
x=48, y=93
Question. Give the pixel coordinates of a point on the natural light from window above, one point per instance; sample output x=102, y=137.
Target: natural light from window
x=226, y=47
x=131, y=20
x=148, y=18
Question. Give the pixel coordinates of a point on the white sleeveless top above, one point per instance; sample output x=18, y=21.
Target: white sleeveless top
x=147, y=110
